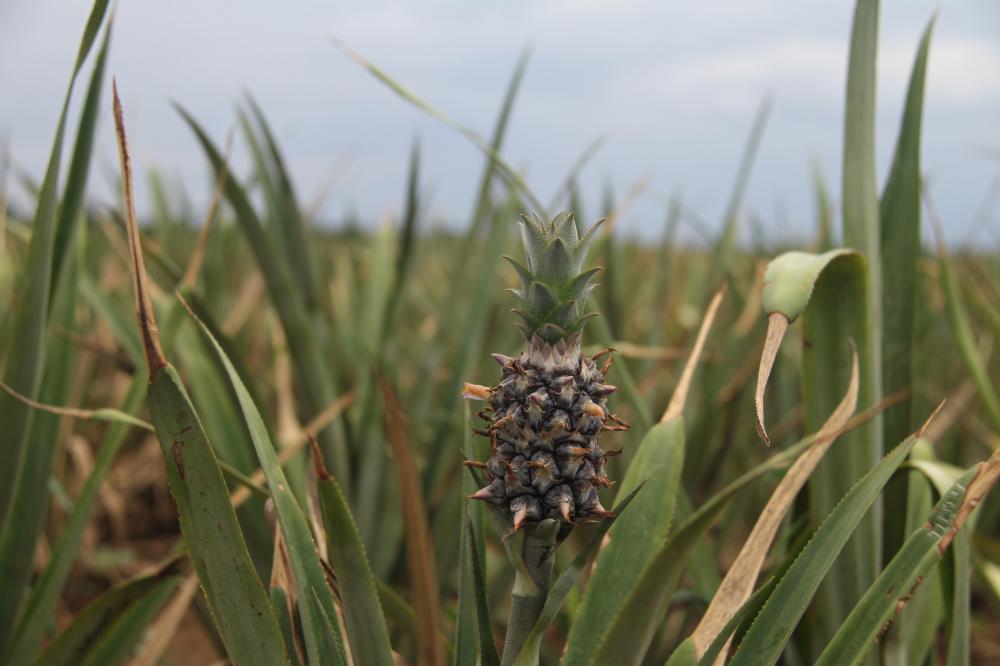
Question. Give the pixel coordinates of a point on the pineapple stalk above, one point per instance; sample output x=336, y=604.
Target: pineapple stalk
x=533, y=557
x=545, y=415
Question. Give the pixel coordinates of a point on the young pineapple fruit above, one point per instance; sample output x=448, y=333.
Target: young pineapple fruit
x=550, y=406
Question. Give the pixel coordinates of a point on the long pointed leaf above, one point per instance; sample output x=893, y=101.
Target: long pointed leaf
x=900, y=219
x=73, y=646
x=362, y=610
x=311, y=365
x=892, y=590
x=767, y=636
x=857, y=570
x=44, y=596
x=324, y=643
x=240, y=606
x=634, y=538
x=24, y=357
x=626, y=640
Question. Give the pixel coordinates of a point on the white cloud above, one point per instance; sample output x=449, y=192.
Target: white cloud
x=962, y=71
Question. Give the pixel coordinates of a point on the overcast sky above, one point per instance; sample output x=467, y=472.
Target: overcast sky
x=674, y=86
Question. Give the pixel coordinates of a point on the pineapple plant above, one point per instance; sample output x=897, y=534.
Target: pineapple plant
x=549, y=408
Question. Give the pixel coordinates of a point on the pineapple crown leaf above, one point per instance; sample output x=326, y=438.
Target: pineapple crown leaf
x=554, y=285
x=583, y=246
x=541, y=299
x=522, y=272
x=557, y=264
x=562, y=311
x=528, y=323
x=533, y=239
x=580, y=286
x=564, y=226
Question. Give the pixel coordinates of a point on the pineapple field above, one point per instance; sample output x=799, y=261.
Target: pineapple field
x=241, y=436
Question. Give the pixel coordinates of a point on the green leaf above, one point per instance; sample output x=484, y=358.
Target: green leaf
x=25, y=353
x=541, y=302
x=471, y=323
x=279, y=601
x=828, y=290
x=474, y=627
x=897, y=583
x=118, y=318
x=791, y=278
x=824, y=208
x=911, y=637
x=900, y=219
x=311, y=365
x=380, y=525
x=69, y=215
x=626, y=640
x=961, y=331
x=119, y=641
x=365, y=623
x=405, y=247
x=41, y=604
x=860, y=198
x=482, y=208
x=488, y=655
x=738, y=584
x=239, y=604
x=861, y=231
x=289, y=216
x=215, y=403
x=316, y=605
x=25, y=349
x=900, y=246
x=767, y=636
x=750, y=608
x=684, y=655
x=635, y=537
x=75, y=645
x=30, y=503
x=397, y=610
x=959, y=605
x=94, y=21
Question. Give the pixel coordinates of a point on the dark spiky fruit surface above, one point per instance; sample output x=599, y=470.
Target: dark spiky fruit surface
x=550, y=406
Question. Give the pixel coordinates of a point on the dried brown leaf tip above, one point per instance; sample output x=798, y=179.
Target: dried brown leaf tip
x=317, y=457
x=143, y=305
x=777, y=326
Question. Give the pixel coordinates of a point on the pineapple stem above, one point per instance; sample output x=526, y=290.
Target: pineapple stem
x=531, y=588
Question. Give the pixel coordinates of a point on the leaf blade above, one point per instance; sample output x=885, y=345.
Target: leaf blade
x=365, y=623
x=767, y=636
x=324, y=642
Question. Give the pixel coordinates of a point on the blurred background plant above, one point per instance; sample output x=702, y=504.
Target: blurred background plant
x=274, y=331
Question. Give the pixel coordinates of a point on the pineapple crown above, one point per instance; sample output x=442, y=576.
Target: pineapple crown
x=554, y=285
